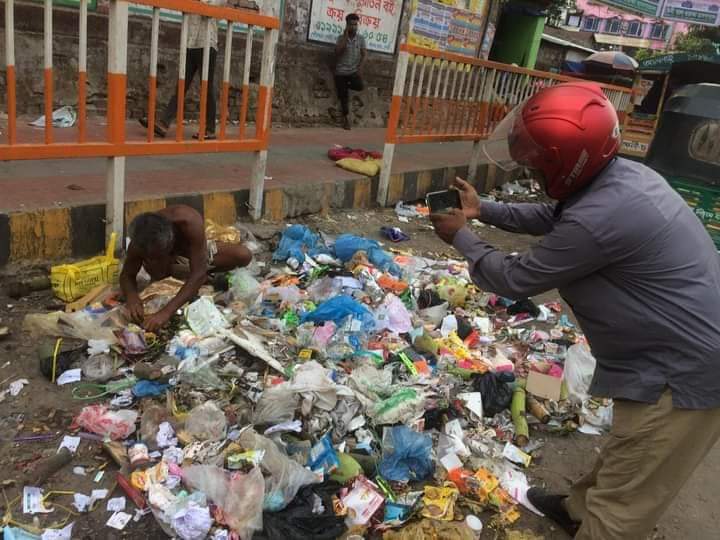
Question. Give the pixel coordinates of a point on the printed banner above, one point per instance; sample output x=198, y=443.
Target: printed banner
x=379, y=21
x=645, y=7
x=441, y=27
x=705, y=12
x=169, y=15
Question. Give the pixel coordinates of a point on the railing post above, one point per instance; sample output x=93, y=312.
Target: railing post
x=117, y=82
x=393, y=121
x=263, y=118
x=10, y=69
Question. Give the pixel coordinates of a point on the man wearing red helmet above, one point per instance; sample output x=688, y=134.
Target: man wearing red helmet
x=643, y=278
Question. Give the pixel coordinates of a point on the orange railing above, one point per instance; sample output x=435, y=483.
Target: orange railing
x=115, y=144
x=441, y=96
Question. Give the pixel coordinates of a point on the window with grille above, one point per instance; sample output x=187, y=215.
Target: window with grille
x=591, y=24
x=613, y=26
x=659, y=31
x=634, y=28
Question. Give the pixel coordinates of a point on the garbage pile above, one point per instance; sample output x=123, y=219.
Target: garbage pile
x=340, y=390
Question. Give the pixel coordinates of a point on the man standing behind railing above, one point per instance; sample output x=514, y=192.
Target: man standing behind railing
x=350, y=53
x=193, y=65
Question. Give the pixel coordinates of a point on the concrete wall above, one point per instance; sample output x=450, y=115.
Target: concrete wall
x=304, y=90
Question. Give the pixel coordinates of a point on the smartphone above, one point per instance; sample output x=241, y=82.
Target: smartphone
x=443, y=201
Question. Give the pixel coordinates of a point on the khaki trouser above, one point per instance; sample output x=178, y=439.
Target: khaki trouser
x=652, y=451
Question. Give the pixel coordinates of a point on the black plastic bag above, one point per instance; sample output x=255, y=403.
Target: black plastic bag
x=524, y=306
x=297, y=521
x=496, y=393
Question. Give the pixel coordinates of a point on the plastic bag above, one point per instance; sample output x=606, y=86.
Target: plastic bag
x=286, y=475
x=98, y=368
x=403, y=406
x=337, y=309
x=78, y=325
x=206, y=422
x=314, y=383
x=406, y=455
x=296, y=241
x=204, y=318
x=496, y=394
x=243, y=286
x=579, y=370
x=277, y=405
x=64, y=117
x=302, y=519
x=98, y=419
x=323, y=456
x=198, y=372
x=239, y=496
x=393, y=315
x=347, y=245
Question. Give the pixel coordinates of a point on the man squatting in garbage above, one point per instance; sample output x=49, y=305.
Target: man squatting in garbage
x=171, y=242
x=642, y=276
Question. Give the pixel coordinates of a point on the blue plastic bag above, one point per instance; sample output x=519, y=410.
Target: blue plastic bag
x=149, y=389
x=347, y=245
x=323, y=456
x=406, y=455
x=337, y=309
x=296, y=241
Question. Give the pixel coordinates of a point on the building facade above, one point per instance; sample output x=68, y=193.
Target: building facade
x=621, y=30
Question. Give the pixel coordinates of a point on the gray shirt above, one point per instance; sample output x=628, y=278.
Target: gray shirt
x=637, y=268
x=349, y=61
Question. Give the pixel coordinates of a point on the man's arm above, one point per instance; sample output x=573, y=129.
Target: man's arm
x=567, y=253
x=526, y=218
x=537, y=219
x=363, y=54
x=341, y=44
x=128, y=285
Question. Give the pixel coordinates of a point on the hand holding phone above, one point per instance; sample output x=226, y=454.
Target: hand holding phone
x=442, y=202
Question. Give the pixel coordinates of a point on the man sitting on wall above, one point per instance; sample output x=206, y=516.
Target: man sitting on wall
x=350, y=54
x=171, y=242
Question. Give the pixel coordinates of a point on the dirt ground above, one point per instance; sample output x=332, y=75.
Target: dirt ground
x=42, y=407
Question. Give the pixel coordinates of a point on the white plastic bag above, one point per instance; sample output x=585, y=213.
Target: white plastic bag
x=206, y=422
x=277, y=405
x=63, y=117
x=243, y=286
x=286, y=476
x=579, y=370
x=240, y=496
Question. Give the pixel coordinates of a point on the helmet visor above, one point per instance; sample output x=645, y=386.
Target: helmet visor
x=510, y=145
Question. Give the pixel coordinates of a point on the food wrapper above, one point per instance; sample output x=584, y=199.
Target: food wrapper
x=439, y=502
x=361, y=502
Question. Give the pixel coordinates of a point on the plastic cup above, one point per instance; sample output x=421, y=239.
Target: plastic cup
x=475, y=525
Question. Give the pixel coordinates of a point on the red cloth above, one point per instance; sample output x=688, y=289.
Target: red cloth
x=338, y=153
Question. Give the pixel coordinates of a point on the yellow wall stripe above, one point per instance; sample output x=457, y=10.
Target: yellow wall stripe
x=135, y=208
x=220, y=208
x=41, y=234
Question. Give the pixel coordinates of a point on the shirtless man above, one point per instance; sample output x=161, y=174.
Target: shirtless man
x=165, y=243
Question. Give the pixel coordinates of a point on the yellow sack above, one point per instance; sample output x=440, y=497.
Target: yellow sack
x=369, y=167
x=73, y=281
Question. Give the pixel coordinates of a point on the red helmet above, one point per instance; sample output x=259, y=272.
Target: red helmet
x=568, y=133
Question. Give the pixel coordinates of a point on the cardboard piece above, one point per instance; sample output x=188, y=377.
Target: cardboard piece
x=544, y=386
